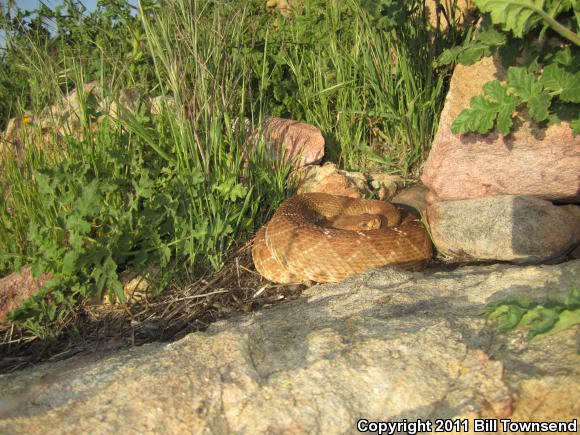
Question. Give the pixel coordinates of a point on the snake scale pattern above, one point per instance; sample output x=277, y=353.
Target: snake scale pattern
x=325, y=238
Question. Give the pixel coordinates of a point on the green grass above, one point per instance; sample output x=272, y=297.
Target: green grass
x=376, y=95
x=173, y=189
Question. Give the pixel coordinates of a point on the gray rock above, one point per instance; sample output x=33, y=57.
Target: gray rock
x=413, y=197
x=384, y=345
x=520, y=229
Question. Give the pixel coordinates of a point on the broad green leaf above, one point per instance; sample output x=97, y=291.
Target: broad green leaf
x=88, y=203
x=58, y=296
x=560, y=111
x=571, y=91
x=553, y=77
x=230, y=189
x=480, y=117
x=44, y=187
x=69, y=262
x=564, y=56
x=492, y=37
x=165, y=253
x=472, y=54
x=519, y=16
x=146, y=186
x=496, y=103
x=76, y=224
x=76, y=240
x=561, y=82
x=112, y=279
x=567, y=319
x=525, y=85
x=531, y=316
x=538, y=107
x=546, y=320
x=494, y=311
x=50, y=310
x=497, y=92
x=547, y=317
x=37, y=269
x=473, y=49
x=504, y=118
x=195, y=177
x=511, y=318
x=449, y=55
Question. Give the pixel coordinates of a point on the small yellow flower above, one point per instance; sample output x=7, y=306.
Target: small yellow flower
x=26, y=119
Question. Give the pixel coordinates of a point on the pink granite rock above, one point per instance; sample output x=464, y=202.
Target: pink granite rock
x=299, y=143
x=16, y=288
x=543, y=162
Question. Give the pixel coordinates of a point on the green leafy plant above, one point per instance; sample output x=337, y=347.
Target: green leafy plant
x=520, y=16
x=110, y=36
x=495, y=106
x=475, y=45
x=540, y=318
x=389, y=14
x=546, y=76
x=170, y=189
x=180, y=187
x=96, y=220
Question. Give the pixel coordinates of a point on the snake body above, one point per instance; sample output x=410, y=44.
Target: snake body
x=307, y=239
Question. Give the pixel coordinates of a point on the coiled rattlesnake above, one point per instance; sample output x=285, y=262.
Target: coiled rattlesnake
x=325, y=238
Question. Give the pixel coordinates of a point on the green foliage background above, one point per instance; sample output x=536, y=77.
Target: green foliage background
x=173, y=191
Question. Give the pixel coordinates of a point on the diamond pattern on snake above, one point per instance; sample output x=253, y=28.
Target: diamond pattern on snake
x=325, y=238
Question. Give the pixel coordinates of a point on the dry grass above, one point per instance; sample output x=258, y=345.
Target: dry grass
x=178, y=311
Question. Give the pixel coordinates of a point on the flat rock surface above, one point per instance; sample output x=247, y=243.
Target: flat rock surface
x=383, y=345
